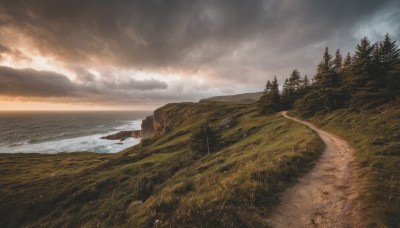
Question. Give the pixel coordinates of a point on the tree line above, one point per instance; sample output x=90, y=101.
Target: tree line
x=367, y=79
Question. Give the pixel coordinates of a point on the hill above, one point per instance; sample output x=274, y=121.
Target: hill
x=161, y=181
x=244, y=98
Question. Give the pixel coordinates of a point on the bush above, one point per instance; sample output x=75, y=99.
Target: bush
x=204, y=139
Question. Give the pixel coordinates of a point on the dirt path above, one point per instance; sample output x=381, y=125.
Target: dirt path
x=327, y=195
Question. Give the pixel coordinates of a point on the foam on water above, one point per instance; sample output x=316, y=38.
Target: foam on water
x=92, y=143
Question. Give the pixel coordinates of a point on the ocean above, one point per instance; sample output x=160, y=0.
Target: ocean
x=55, y=132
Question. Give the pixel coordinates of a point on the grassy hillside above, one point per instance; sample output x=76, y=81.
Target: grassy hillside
x=245, y=98
x=376, y=136
x=161, y=179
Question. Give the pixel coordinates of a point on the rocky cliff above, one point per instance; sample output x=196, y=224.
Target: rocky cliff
x=122, y=135
x=147, y=128
x=163, y=120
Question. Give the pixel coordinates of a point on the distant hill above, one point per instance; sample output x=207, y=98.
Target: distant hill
x=245, y=98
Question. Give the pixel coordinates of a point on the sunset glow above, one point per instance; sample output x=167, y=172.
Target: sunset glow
x=12, y=105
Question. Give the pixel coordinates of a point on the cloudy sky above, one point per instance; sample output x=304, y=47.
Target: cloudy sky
x=99, y=54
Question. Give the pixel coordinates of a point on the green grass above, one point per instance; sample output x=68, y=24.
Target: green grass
x=238, y=185
x=161, y=179
x=376, y=136
x=18, y=168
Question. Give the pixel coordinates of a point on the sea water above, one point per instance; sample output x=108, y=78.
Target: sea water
x=56, y=132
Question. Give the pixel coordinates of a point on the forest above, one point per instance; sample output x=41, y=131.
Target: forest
x=366, y=79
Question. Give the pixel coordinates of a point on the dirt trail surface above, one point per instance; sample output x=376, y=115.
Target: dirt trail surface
x=328, y=195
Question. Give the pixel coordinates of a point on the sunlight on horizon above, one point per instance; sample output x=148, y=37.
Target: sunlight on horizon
x=45, y=106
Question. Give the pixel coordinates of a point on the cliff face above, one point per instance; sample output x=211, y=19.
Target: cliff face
x=154, y=125
x=163, y=120
x=147, y=128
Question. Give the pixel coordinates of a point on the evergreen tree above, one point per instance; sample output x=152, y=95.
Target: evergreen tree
x=347, y=61
x=393, y=83
x=294, y=81
x=285, y=102
x=325, y=94
x=264, y=97
x=268, y=87
x=306, y=82
x=274, y=105
x=346, y=76
x=346, y=67
x=291, y=89
x=369, y=78
x=378, y=72
x=270, y=101
x=310, y=104
x=303, y=89
x=366, y=77
x=326, y=75
x=390, y=61
x=389, y=53
x=362, y=63
x=204, y=140
x=285, y=87
x=337, y=62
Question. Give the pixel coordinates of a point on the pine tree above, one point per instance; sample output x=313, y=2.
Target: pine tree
x=306, y=82
x=389, y=53
x=369, y=78
x=285, y=102
x=204, y=140
x=270, y=101
x=362, y=63
x=285, y=87
x=264, y=97
x=393, y=83
x=378, y=72
x=268, y=87
x=390, y=61
x=326, y=75
x=337, y=62
x=346, y=76
x=325, y=94
x=291, y=89
x=364, y=77
x=347, y=61
x=294, y=81
x=275, y=96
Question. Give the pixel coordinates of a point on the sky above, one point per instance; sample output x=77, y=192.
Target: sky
x=140, y=55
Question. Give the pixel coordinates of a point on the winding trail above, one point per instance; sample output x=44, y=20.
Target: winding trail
x=327, y=196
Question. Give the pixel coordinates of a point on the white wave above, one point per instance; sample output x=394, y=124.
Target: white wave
x=133, y=125
x=91, y=143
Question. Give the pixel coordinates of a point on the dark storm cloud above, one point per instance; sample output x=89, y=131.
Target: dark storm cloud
x=178, y=33
x=82, y=75
x=136, y=33
x=234, y=45
x=28, y=82
x=147, y=84
x=32, y=83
